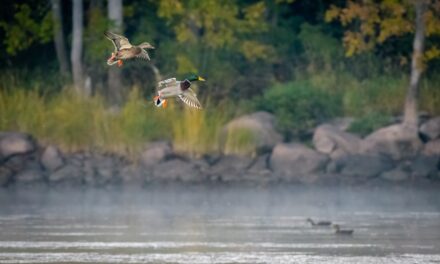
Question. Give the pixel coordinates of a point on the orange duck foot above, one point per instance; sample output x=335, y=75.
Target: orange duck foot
x=120, y=63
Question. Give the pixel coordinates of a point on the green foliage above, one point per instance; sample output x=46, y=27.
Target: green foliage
x=322, y=51
x=28, y=27
x=299, y=106
x=97, y=48
x=369, y=123
x=219, y=39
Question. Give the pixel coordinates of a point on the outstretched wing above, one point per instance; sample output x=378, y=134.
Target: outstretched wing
x=167, y=83
x=120, y=42
x=143, y=55
x=190, y=98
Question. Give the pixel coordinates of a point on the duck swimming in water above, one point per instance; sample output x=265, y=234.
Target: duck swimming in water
x=181, y=89
x=340, y=231
x=319, y=223
x=124, y=50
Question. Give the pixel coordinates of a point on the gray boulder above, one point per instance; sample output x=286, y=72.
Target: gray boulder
x=397, y=141
x=134, y=175
x=30, y=177
x=5, y=176
x=425, y=166
x=67, y=175
x=15, y=143
x=432, y=148
x=155, y=153
x=259, y=169
x=230, y=168
x=177, y=169
x=360, y=166
x=258, y=127
x=395, y=175
x=330, y=140
x=52, y=159
x=296, y=162
x=431, y=128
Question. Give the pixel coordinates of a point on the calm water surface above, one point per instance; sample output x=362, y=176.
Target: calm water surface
x=219, y=225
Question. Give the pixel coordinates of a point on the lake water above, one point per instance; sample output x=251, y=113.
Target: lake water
x=197, y=224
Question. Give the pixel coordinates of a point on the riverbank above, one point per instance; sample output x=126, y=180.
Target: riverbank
x=391, y=154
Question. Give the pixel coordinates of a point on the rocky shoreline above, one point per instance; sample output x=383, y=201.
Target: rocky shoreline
x=392, y=154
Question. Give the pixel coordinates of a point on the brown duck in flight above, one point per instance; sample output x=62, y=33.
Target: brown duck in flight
x=124, y=50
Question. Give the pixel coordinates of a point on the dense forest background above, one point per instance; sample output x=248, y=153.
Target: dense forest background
x=304, y=61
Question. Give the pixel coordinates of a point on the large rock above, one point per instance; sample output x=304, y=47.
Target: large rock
x=395, y=175
x=330, y=140
x=258, y=127
x=14, y=143
x=52, y=159
x=155, y=153
x=30, y=177
x=360, y=166
x=100, y=170
x=296, y=162
x=177, y=169
x=425, y=167
x=397, y=141
x=431, y=128
x=432, y=148
x=230, y=168
x=5, y=176
x=258, y=170
x=67, y=175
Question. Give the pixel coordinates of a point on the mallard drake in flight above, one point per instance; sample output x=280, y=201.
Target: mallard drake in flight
x=181, y=89
x=319, y=223
x=124, y=50
x=340, y=231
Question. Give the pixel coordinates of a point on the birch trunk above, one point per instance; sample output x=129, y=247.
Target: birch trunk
x=60, y=45
x=115, y=88
x=410, y=113
x=77, y=45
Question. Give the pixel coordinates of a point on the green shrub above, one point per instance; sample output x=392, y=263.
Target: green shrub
x=299, y=107
x=369, y=122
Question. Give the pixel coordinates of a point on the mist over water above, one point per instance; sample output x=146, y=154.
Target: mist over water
x=221, y=224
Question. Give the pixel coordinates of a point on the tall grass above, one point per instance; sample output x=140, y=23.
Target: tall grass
x=241, y=142
x=77, y=123
x=196, y=132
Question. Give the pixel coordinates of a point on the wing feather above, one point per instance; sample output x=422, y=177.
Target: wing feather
x=190, y=98
x=120, y=42
x=143, y=55
x=167, y=83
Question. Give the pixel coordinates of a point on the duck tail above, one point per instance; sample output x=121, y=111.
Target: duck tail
x=158, y=102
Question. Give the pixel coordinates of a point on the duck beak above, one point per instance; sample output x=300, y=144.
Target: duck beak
x=164, y=103
x=200, y=79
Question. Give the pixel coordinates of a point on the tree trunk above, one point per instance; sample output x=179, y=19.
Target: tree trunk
x=60, y=45
x=115, y=88
x=411, y=114
x=77, y=46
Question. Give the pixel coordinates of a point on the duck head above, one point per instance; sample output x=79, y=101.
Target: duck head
x=195, y=77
